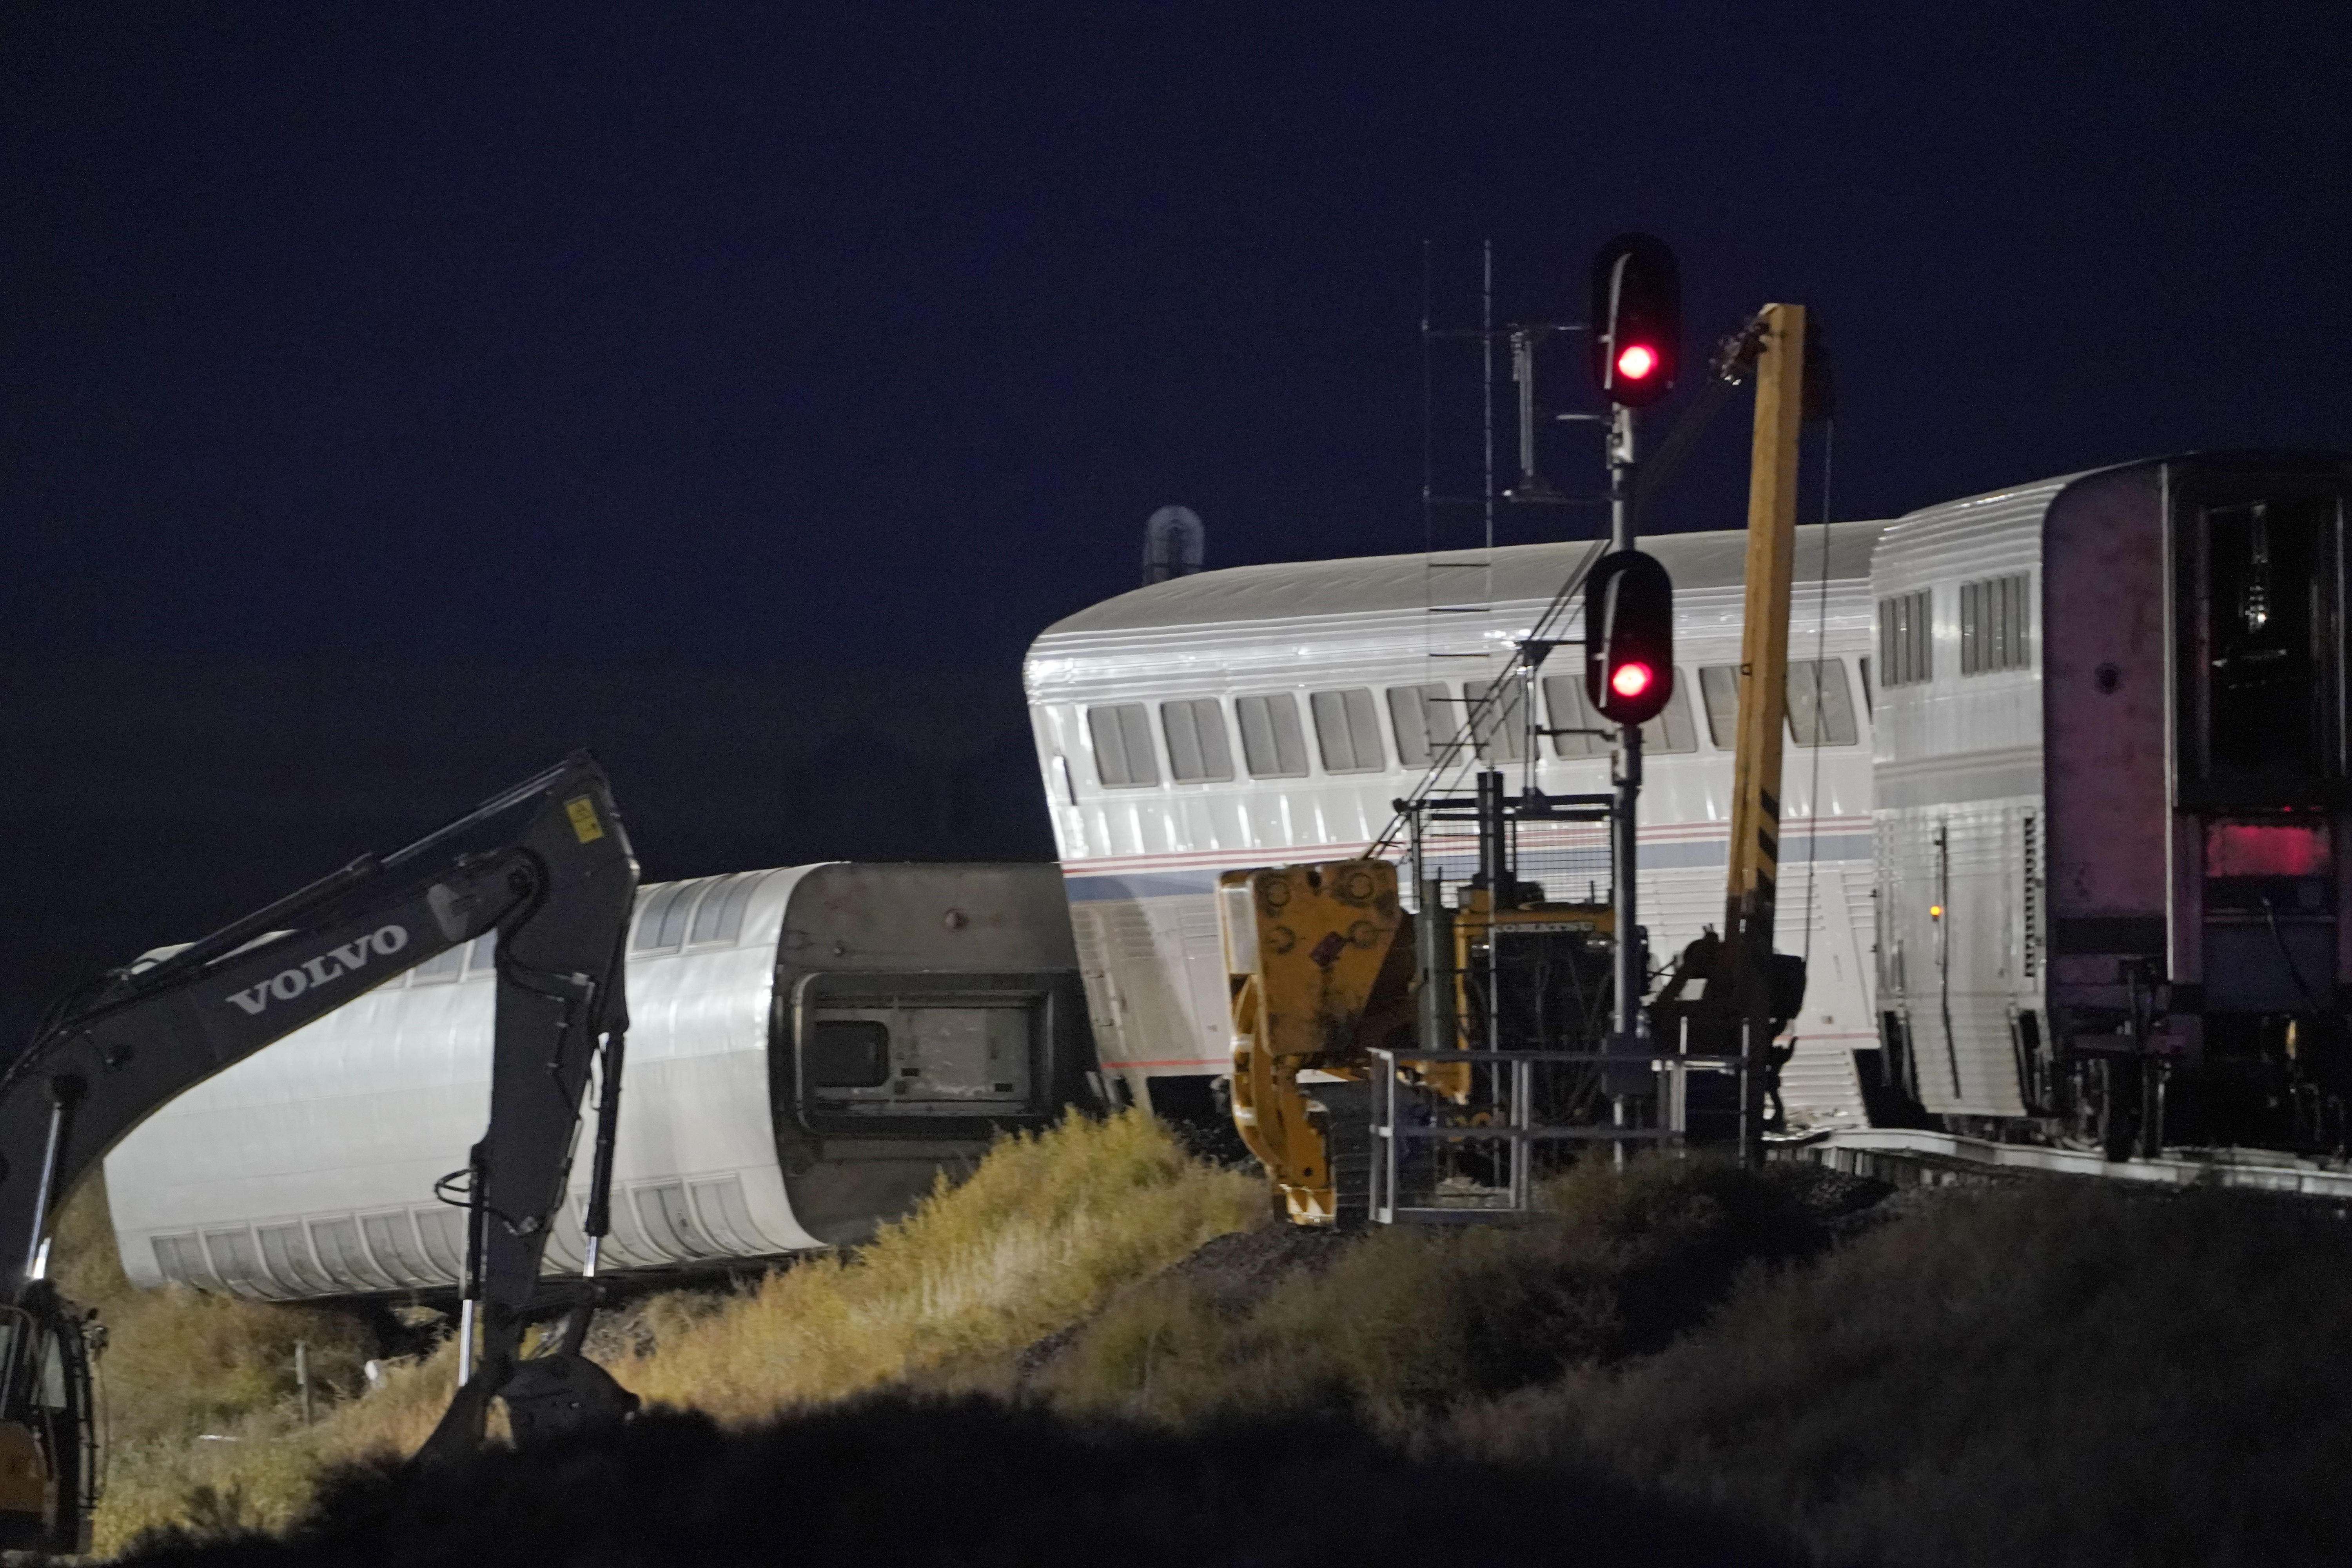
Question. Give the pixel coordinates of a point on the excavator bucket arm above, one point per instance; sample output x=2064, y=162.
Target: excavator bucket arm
x=545, y=864
x=1319, y=960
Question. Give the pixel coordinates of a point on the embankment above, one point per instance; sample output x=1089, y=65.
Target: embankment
x=1088, y=1348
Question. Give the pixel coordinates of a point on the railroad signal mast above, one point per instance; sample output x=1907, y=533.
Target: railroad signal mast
x=1497, y=993
x=1636, y=348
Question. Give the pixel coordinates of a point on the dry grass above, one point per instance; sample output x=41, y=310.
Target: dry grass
x=2057, y=1373
x=1405, y=1321
x=2051, y=1375
x=207, y=1436
x=197, y=1393
x=1044, y=1231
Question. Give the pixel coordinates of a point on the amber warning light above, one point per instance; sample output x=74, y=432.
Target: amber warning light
x=1635, y=362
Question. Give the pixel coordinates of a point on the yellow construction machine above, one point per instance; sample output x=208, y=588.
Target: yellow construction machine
x=1327, y=968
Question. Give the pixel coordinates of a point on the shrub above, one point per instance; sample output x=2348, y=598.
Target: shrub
x=208, y=1440
x=1616, y=1263
x=2051, y=1374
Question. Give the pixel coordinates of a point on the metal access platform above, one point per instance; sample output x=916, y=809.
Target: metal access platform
x=1407, y=1116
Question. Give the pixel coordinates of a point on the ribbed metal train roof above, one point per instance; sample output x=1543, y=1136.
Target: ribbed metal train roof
x=2040, y=493
x=2001, y=506
x=1521, y=574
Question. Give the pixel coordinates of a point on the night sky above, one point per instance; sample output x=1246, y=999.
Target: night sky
x=696, y=349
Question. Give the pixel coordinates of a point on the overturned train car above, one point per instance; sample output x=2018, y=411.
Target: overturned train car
x=810, y=1047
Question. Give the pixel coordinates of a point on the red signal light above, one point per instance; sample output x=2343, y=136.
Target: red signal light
x=1631, y=680
x=1636, y=361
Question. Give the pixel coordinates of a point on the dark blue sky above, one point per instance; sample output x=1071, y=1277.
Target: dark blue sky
x=727, y=333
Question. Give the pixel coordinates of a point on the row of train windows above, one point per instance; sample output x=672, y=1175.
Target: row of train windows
x=1425, y=724
x=427, y=1246
x=689, y=913
x=1996, y=629
x=674, y=915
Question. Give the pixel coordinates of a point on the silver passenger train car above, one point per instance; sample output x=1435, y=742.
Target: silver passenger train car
x=2115, y=806
x=1265, y=714
x=2070, y=813
x=810, y=1047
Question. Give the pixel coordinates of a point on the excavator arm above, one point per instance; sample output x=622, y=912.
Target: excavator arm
x=545, y=865
x=1318, y=962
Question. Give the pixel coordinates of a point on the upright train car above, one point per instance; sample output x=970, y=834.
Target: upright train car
x=1265, y=714
x=2113, y=806
x=810, y=1047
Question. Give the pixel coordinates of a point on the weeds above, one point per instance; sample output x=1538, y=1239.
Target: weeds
x=1042, y=1233
x=209, y=1445
x=2047, y=1375
x=1671, y=1364
x=969, y=1482
x=1406, y=1320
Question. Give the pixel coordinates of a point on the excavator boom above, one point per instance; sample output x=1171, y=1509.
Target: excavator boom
x=546, y=864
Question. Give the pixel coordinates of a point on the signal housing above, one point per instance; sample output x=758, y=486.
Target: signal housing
x=1628, y=638
x=1637, y=320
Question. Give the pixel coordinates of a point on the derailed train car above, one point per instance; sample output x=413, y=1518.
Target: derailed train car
x=2066, y=812
x=1265, y=714
x=810, y=1047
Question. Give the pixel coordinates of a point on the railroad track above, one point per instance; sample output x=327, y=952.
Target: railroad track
x=1913, y=1158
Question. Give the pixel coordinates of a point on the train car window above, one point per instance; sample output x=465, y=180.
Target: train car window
x=392, y=1240
x=1718, y=688
x=440, y=968
x=234, y=1257
x=705, y=927
x=1423, y=718
x=1347, y=729
x=1993, y=625
x=1672, y=730
x=1905, y=646
x=50, y=1392
x=719, y=917
x=654, y=914
x=1198, y=751
x=1498, y=718
x=1820, y=704
x=179, y=1258
x=1122, y=737
x=1272, y=745
x=672, y=929
x=1570, y=710
x=286, y=1253
x=482, y=954
x=848, y=1053
x=2267, y=605
x=337, y=1242
x=443, y=1232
